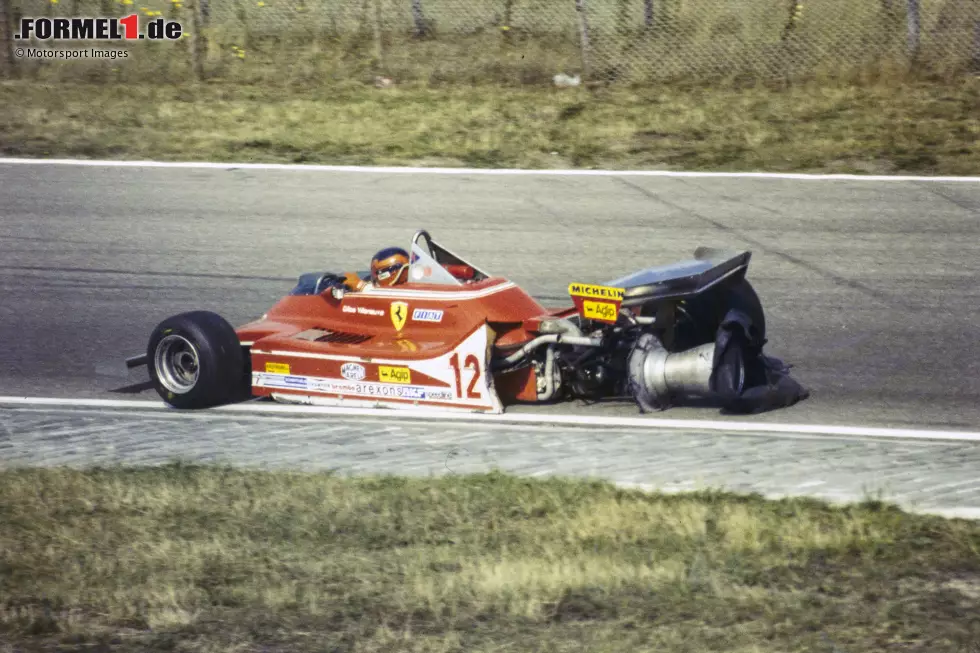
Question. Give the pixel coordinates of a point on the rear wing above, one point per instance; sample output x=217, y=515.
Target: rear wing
x=709, y=268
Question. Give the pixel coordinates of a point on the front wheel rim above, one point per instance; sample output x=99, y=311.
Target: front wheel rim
x=177, y=364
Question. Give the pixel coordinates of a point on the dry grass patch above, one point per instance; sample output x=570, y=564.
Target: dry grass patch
x=889, y=125
x=213, y=559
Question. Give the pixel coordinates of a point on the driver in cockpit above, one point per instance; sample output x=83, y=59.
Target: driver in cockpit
x=389, y=267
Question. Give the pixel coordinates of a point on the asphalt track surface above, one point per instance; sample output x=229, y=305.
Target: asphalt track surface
x=870, y=287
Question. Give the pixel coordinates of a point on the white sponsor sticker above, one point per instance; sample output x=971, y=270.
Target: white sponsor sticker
x=426, y=315
x=353, y=371
x=282, y=381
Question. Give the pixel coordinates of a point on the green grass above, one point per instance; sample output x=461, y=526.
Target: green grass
x=925, y=127
x=205, y=559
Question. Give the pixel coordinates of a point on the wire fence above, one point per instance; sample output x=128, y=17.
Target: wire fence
x=531, y=41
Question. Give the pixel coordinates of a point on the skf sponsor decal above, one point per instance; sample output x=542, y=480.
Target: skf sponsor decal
x=388, y=374
x=399, y=313
x=413, y=393
x=427, y=315
x=599, y=303
x=277, y=368
x=353, y=371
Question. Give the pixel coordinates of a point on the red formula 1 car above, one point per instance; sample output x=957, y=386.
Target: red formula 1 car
x=455, y=337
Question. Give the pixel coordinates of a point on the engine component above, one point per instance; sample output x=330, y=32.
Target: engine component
x=656, y=376
x=549, y=376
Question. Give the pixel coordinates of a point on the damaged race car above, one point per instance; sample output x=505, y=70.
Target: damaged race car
x=455, y=337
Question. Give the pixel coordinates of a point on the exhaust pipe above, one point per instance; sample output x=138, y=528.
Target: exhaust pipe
x=657, y=376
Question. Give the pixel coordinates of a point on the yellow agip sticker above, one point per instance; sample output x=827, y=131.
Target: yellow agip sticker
x=394, y=374
x=595, y=292
x=605, y=311
x=277, y=368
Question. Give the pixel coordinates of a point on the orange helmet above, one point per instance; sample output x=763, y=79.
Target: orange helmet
x=388, y=265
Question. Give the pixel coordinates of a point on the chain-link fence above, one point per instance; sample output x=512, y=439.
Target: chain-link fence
x=530, y=41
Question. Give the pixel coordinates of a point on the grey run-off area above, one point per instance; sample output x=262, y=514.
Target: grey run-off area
x=937, y=477
x=870, y=287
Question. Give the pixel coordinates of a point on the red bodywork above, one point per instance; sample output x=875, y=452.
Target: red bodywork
x=370, y=345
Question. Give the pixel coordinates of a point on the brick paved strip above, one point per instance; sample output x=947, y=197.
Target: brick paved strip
x=923, y=476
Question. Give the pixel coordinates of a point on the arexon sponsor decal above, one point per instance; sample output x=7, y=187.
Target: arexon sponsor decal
x=369, y=389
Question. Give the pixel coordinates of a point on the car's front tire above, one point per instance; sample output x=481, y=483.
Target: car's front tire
x=196, y=360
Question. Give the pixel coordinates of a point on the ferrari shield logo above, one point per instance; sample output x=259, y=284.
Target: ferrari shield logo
x=399, y=313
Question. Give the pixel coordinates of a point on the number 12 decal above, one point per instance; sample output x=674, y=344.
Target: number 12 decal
x=472, y=362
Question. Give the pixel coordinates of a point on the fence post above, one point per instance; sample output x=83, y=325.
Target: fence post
x=583, y=27
x=975, y=47
x=795, y=9
x=8, y=62
x=508, y=19
x=379, y=47
x=648, y=14
x=418, y=16
x=913, y=29
x=199, y=43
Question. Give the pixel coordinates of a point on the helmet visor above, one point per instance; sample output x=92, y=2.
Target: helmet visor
x=384, y=274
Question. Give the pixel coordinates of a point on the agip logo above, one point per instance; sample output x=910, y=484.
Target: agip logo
x=98, y=29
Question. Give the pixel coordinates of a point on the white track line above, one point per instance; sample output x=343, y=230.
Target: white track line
x=650, y=422
x=478, y=171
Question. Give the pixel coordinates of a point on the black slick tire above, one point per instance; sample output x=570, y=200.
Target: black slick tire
x=195, y=360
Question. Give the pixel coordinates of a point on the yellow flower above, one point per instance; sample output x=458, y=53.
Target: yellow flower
x=54, y=2
x=260, y=3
